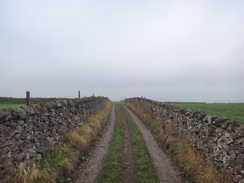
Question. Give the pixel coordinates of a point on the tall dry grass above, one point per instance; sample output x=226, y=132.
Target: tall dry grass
x=61, y=161
x=33, y=174
x=194, y=167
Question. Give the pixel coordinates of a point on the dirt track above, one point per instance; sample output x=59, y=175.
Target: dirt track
x=88, y=170
x=91, y=165
x=165, y=170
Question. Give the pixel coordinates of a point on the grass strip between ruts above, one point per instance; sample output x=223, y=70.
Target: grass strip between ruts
x=113, y=167
x=144, y=167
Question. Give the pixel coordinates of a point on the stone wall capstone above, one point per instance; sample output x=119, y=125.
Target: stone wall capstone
x=28, y=133
x=219, y=139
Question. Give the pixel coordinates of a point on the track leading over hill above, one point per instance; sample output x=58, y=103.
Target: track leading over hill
x=126, y=152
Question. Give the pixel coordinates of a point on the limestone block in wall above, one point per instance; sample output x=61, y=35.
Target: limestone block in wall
x=208, y=118
x=5, y=115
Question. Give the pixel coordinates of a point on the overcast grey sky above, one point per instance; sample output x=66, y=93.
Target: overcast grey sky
x=167, y=50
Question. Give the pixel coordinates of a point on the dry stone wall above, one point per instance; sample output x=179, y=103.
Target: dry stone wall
x=26, y=134
x=219, y=139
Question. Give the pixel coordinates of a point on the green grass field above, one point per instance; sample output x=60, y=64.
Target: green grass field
x=6, y=106
x=234, y=111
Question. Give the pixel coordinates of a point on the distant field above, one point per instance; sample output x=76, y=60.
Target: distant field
x=5, y=106
x=9, y=102
x=234, y=111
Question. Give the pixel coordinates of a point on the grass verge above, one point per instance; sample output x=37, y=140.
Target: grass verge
x=57, y=165
x=144, y=167
x=194, y=168
x=113, y=167
x=233, y=111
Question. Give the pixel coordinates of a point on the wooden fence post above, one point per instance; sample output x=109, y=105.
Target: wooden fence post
x=28, y=98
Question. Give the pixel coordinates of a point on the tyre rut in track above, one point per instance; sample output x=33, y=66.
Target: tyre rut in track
x=91, y=165
x=165, y=170
x=129, y=176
